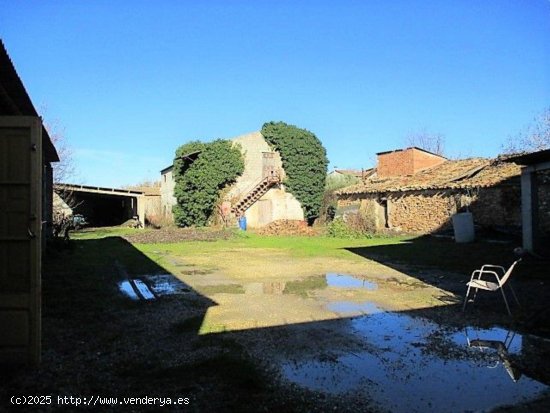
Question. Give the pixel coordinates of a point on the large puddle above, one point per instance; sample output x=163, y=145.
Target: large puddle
x=301, y=286
x=412, y=364
x=399, y=360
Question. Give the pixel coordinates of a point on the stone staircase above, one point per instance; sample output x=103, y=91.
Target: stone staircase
x=255, y=193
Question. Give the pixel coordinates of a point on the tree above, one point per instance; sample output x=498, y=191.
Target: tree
x=304, y=161
x=63, y=172
x=431, y=142
x=535, y=137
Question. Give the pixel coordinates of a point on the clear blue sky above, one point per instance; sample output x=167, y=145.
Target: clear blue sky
x=132, y=80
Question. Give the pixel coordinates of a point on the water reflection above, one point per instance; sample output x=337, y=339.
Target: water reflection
x=500, y=351
x=149, y=287
x=413, y=364
x=166, y=284
x=303, y=286
x=126, y=288
x=349, y=281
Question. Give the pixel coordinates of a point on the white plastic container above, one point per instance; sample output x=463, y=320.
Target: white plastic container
x=463, y=225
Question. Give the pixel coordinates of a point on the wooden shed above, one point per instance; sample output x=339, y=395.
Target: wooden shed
x=26, y=153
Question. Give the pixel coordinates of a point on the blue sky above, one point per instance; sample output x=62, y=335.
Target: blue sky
x=132, y=80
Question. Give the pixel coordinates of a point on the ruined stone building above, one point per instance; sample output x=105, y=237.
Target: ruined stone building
x=258, y=194
x=415, y=191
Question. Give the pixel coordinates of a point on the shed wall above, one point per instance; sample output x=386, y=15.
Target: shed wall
x=422, y=212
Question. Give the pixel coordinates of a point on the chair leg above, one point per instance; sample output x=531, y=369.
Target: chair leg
x=505, y=301
x=466, y=299
x=475, y=295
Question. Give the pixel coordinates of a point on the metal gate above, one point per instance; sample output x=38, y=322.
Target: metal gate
x=20, y=238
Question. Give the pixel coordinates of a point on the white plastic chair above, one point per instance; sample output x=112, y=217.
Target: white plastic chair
x=500, y=275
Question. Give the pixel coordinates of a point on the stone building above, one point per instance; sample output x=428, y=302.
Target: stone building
x=258, y=194
x=415, y=191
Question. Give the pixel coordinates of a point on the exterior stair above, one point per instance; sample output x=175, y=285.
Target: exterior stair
x=255, y=193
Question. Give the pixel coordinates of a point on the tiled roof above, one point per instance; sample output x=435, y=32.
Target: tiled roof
x=465, y=173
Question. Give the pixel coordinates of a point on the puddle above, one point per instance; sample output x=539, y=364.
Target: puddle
x=414, y=364
x=126, y=288
x=154, y=286
x=166, y=284
x=349, y=281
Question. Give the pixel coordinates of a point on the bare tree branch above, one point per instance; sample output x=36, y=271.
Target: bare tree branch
x=431, y=142
x=535, y=137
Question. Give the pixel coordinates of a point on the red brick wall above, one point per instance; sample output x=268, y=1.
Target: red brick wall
x=405, y=162
x=395, y=163
x=423, y=160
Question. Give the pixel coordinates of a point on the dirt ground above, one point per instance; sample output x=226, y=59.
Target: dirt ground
x=270, y=329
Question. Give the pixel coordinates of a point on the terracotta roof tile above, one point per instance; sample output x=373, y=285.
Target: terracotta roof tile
x=465, y=173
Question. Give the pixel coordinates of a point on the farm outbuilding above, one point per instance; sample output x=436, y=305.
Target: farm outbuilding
x=26, y=189
x=258, y=194
x=414, y=191
x=535, y=199
x=100, y=206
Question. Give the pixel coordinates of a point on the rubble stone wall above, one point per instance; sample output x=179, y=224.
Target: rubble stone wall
x=426, y=211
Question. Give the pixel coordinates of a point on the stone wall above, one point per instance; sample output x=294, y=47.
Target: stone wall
x=543, y=182
x=422, y=212
x=497, y=206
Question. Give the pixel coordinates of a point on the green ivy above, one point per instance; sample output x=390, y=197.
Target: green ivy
x=200, y=179
x=304, y=161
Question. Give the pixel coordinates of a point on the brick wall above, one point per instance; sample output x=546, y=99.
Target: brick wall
x=395, y=163
x=406, y=162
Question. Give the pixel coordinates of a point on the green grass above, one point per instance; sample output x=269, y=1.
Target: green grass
x=222, y=289
x=294, y=246
x=302, y=287
x=424, y=251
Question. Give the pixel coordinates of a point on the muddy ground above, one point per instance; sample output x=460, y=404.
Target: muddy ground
x=236, y=328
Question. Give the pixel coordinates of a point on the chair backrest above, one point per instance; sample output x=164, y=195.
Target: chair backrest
x=508, y=273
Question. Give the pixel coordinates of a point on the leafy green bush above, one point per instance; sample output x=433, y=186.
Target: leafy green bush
x=200, y=178
x=339, y=228
x=304, y=161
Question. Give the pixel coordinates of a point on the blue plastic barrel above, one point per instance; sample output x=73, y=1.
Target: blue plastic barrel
x=242, y=223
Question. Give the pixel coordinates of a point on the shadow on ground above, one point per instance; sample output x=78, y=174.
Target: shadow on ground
x=99, y=342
